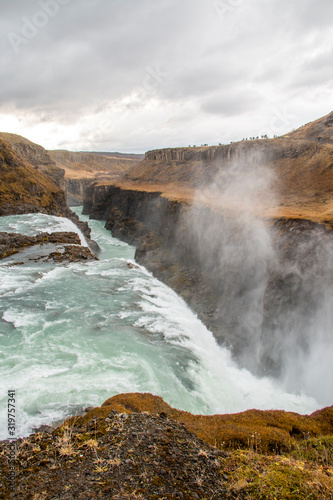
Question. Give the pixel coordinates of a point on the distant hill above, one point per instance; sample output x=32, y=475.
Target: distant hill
x=320, y=130
x=87, y=165
x=130, y=156
x=82, y=168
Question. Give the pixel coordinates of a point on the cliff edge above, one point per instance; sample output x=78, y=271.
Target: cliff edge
x=29, y=180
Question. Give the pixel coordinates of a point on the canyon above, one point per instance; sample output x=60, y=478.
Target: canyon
x=243, y=233
x=70, y=171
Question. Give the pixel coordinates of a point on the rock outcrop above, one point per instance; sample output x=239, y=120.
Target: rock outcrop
x=11, y=243
x=24, y=186
x=76, y=190
x=280, y=431
x=35, y=156
x=66, y=246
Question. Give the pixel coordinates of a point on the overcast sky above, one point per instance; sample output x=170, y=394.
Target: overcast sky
x=134, y=75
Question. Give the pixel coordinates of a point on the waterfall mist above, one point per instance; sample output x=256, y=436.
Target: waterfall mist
x=269, y=282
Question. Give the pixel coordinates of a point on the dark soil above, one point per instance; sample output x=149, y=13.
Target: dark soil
x=122, y=456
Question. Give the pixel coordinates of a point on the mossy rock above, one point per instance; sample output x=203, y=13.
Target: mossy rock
x=270, y=431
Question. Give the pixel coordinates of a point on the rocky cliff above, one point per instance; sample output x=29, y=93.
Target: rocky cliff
x=243, y=232
x=31, y=182
x=299, y=169
x=76, y=190
x=59, y=247
x=36, y=156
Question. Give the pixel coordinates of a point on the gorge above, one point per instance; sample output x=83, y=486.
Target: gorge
x=243, y=234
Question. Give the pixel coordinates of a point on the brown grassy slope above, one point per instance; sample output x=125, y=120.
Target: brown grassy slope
x=23, y=188
x=320, y=129
x=277, y=430
x=141, y=455
x=87, y=165
x=302, y=170
x=34, y=155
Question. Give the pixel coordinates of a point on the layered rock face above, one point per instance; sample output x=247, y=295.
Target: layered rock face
x=299, y=164
x=243, y=233
x=76, y=189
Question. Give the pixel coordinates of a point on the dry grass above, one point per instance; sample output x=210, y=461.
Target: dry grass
x=22, y=184
x=65, y=464
x=65, y=442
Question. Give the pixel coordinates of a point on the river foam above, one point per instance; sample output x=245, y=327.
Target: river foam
x=73, y=335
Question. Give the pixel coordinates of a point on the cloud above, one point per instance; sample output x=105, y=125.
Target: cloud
x=65, y=63
x=232, y=103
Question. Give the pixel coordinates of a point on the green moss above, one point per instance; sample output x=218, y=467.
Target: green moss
x=271, y=478
x=318, y=450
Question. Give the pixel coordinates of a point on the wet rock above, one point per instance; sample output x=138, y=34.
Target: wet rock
x=68, y=244
x=72, y=253
x=11, y=243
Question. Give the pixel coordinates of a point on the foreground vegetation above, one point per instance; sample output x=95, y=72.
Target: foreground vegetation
x=137, y=446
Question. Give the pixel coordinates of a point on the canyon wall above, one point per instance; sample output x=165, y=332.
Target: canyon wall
x=254, y=283
x=76, y=190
